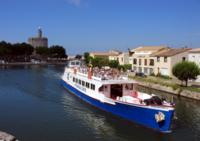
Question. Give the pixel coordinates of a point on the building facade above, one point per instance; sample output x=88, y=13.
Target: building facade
x=141, y=58
x=165, y=60
x=122, y=58
x=38, y=41
x=194, y=56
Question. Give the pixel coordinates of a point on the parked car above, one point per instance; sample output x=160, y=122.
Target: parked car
x=141, y=74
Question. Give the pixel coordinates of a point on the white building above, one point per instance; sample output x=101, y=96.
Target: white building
x=123, y=58
x=141, y=58
x=166, y=59
x=194, y=56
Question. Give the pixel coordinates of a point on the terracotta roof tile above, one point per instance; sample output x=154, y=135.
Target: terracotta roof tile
x=104, y=54
x=148, y=48
x=170, y=52
x=195, y=50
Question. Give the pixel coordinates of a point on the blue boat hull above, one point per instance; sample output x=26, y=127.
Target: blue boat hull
x=141, y=115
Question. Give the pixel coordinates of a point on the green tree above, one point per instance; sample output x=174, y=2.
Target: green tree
x=43, y=51
x=99, y=62
x=125, y=67
x=27, y=49
x=3, y=48
x=15, y=52
x=57, y=51
x=87, y=58
x=185, y=71
x=22, y=51
x=113, y=63
x=78, y=56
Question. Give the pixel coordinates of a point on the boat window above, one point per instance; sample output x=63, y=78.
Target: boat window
x=79, y=81
x=73, y=79
x=87, y=85
x=72, y=63
x=92, y=86
x=76, y=80
x=83, y=83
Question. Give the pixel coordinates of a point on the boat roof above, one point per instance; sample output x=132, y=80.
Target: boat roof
x=109, y=82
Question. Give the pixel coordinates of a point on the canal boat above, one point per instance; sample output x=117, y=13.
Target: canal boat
x=116, y=94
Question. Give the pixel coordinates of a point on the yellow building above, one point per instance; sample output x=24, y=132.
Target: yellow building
x=165, y=60
x=123, y=58
x=141, y=58
x=194, y=56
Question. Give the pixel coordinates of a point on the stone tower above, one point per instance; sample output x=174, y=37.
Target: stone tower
x=38, y=41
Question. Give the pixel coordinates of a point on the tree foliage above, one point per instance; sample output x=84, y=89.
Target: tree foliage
x=43, y=51
x=113, y=63
x=5, y=48
x=23, y=52
x=185, y=71
x=99, y=62
x=17, y=52
x=125, y=67
x=57, y=51
x=87, y=58
x=78, y=56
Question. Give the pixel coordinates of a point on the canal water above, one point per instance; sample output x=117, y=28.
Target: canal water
x=35, y=107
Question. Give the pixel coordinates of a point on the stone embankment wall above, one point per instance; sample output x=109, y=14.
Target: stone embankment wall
x=178, y=92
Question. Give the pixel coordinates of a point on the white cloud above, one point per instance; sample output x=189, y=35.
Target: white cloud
x=75, y=2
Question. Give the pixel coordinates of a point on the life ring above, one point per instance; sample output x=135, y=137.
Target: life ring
x=159, y=117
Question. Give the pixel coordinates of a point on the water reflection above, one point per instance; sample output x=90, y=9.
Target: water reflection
x=88, y=118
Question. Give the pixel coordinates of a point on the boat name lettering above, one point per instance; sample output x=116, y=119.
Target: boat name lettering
x=83, y=89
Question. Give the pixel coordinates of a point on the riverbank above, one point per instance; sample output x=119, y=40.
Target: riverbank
x=168, y=86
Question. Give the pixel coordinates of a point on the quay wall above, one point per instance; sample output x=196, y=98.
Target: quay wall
x=170, y=90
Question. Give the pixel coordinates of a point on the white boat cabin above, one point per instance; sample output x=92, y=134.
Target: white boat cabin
x=115, y=88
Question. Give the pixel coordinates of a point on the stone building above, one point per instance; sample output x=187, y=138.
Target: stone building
x=38, y=41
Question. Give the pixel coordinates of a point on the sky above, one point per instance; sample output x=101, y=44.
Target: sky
x=101, y=25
